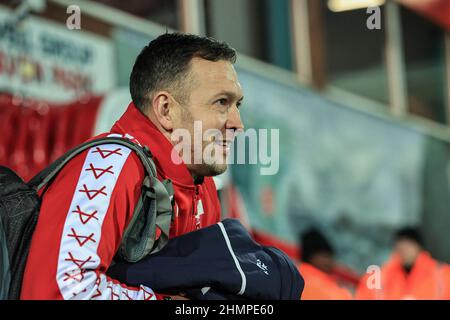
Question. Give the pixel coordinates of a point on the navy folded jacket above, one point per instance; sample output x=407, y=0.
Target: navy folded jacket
x=221, y=261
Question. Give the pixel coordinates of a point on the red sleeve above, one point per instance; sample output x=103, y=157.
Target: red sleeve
x=83, y=216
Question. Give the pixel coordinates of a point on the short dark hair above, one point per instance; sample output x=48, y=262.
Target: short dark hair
x=409, y=233
x=164, y=62
x=312, y=243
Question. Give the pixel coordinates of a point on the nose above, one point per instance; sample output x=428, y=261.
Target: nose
x=234, y=121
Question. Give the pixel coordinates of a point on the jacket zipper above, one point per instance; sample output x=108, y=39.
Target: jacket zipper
x=196, y=219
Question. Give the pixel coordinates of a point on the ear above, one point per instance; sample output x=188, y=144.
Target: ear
x=162, y=105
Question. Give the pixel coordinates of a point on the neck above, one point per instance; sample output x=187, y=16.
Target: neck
x=197, y=179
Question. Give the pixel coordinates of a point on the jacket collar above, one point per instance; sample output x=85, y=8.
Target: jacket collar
x=424, y=262
x=136, y=124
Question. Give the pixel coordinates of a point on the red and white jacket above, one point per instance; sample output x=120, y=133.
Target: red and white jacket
x=86, y=209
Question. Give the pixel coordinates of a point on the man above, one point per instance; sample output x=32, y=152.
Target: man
x=411, y=273
x=317, y=267
x=177, y=82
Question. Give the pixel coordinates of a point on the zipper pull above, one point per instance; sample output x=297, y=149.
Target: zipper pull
x=197, y=214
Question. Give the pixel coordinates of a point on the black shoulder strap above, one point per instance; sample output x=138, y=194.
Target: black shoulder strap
x=46, y=175
x=5, y=272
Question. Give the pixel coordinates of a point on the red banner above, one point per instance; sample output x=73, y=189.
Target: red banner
x=436, y=10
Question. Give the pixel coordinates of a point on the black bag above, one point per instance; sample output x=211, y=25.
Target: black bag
x=20, y=205
x=221, y=261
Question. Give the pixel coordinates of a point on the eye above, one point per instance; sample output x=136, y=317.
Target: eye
x=222, y=102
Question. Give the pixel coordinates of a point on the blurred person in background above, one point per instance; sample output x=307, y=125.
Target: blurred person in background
x=411, y=273
x=317, y=256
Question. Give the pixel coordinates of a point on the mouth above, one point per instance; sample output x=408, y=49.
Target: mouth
x=224, y=144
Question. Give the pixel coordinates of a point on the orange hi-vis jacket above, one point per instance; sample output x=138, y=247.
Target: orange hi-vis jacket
x=427, y=280
x=321, y=286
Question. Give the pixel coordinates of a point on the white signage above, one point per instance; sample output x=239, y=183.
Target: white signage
x=45, y=60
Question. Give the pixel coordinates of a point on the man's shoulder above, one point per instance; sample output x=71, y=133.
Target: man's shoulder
x=102, y=160
x=115, y=149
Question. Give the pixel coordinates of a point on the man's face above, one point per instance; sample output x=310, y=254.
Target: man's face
x=213, y=103
x=323, y=261
x=407, y=250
